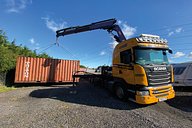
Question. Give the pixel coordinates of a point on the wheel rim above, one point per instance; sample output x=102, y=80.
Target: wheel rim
x=119, y=92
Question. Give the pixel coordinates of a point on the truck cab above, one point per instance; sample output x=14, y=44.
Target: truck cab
x=141, y=70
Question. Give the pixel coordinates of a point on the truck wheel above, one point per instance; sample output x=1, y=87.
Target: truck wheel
x=120, y=92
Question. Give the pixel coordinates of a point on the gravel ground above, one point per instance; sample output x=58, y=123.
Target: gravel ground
x=60, y=106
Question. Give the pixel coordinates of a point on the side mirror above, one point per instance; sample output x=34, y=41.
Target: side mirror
x=170, y=51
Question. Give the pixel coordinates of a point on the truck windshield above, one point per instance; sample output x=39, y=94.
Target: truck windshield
x=151, y=56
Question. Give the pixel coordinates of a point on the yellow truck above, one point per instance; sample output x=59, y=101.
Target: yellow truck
x=140, y=69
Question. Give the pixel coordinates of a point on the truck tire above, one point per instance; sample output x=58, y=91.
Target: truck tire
x=120, y=92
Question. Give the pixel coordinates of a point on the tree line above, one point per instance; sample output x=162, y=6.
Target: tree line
x=9, y=52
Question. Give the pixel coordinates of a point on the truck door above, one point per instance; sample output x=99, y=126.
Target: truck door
x=188, y=76
x=126, y=67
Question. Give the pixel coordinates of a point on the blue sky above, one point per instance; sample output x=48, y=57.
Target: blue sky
x=33, y=23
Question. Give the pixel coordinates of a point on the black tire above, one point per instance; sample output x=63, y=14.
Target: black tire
x=120, y=91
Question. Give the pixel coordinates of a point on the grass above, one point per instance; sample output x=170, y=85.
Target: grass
x=6, y=89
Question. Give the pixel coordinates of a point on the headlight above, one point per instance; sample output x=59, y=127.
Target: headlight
x=142, y=93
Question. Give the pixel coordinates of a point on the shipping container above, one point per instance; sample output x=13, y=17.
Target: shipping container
x=43, y=70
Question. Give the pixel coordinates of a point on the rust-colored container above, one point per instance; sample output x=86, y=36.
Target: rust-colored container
x=41, y=70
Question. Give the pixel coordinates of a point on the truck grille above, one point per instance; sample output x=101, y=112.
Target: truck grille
x=159, y=78
x=163, y=92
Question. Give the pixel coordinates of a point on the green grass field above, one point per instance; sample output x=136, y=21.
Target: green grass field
x=6, y=89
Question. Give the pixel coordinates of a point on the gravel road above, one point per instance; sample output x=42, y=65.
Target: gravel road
x=60, y=106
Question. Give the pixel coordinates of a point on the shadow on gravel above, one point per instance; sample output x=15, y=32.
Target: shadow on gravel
x=85, y=95
x=183, y=99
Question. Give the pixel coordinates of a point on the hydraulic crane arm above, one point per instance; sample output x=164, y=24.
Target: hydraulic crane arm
x=109, y=25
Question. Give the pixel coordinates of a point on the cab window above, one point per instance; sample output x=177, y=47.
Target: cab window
x=125, y=57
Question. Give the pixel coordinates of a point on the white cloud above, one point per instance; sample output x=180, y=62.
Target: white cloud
x=119, y=22
x=32, y=41
x=190, y=55
x=15, y=6
x=177, y=30
x=52, y=25
x=113, y=44
x=170, y=33
x=34, y=44
x=178, y=54
x=127, y=30
x=102, y=53
x=37, y=48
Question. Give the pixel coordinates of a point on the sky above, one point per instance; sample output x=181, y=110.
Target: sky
x=33, y=23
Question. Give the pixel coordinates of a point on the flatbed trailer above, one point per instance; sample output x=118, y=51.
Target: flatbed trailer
x=104, y=76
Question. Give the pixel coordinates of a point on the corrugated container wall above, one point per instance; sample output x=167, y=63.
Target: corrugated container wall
x=41, y=70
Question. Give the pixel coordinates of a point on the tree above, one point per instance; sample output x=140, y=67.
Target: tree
x=3, y=38
x=7, y=59
x=82, y=66
x=10, y=51
x=44, y=55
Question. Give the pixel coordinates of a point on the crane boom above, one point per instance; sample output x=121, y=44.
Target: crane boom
x=109, y=25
